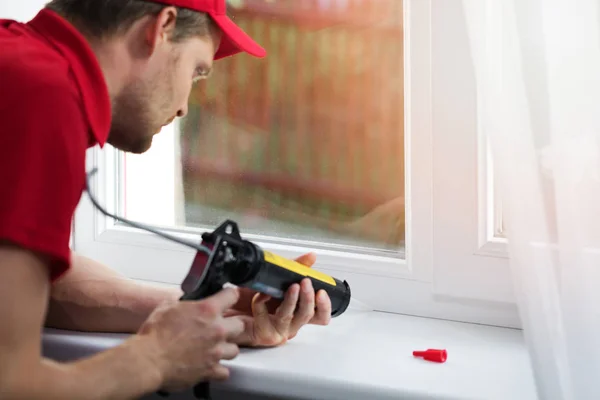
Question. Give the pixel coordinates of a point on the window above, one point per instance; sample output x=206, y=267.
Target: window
x=306, y=144
x=357, y=138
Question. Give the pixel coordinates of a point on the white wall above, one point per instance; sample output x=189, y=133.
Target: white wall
x=20, y=10
x=153, y=182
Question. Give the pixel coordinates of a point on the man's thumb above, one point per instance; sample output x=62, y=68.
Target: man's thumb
x=307, y=259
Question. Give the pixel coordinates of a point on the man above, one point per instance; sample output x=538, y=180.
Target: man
x=85, y=73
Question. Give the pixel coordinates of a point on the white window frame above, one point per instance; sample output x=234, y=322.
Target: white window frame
x=455, y=268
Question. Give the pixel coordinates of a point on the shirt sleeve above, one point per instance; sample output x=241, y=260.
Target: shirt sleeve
x=43, y=139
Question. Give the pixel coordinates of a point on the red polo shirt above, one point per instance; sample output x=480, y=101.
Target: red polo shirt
x=54, y=105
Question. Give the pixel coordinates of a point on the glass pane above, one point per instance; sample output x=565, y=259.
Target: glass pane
x=307, y=143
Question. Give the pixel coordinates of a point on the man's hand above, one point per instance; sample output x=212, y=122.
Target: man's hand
x=180, y=344
x=192, y=337
x=270, y=322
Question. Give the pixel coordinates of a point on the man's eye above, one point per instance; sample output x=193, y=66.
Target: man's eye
x=200, y=74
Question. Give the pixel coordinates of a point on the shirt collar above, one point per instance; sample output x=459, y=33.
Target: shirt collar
x=85, y=67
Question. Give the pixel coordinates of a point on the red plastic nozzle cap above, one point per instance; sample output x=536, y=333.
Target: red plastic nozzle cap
x=434, y=355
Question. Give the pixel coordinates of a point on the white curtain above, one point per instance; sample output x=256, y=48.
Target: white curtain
x=538, y=85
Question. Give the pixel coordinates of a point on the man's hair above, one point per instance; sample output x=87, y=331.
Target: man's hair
x=103, y=18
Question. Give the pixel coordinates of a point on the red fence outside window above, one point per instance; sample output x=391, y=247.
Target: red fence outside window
x=313, y=133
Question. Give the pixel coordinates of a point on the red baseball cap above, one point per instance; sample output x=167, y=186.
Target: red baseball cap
x=234, y=39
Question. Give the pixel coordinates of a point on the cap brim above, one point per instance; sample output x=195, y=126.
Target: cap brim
x=235, y=40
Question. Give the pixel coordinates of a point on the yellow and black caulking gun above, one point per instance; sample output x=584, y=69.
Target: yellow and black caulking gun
x=240, y=262
x=224, y=257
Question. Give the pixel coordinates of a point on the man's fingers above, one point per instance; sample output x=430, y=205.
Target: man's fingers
x=247, y=336
x=229, y=351
x=220, y=373
x=308, y=259
x=260, y=310
x=234, y=327
x=306, y=307
x=225, y=299
x=285, y=312
x=323, y=314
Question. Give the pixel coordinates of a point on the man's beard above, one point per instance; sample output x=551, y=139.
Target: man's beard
x=138, y=112
x=131, y=128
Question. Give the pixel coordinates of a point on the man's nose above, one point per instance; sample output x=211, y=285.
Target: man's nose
x=183, y=111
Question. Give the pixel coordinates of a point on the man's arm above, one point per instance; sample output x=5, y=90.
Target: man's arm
x=124, y=372
x=93, y=297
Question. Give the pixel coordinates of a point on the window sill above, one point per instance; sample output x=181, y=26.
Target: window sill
x=364, y=355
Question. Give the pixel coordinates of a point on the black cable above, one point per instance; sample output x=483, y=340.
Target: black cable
x=184, y=242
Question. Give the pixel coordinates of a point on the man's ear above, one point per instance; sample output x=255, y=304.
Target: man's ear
x=161, y=28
